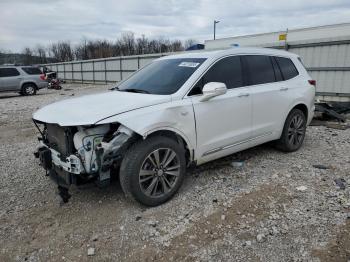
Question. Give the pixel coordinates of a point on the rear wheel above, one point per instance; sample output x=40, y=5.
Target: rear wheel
x=28, y=90
x=293, y=131
x=153, y=170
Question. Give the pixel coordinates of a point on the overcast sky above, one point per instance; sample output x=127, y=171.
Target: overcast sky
x=30, y=22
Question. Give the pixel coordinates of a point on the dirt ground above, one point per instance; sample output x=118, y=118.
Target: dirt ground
x=277, y=207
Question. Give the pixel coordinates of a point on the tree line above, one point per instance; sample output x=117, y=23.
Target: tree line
x=126, y=44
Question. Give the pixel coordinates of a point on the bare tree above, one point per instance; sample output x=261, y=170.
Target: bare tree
x=40, y=52
x=190, y=42
x=141, y=45
x=126, y=44
x=62, y=51
x=27, y=56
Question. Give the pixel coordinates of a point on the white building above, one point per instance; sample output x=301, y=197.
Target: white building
x=325, y=51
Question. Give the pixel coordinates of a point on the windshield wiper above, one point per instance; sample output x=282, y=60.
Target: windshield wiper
x=134, y=90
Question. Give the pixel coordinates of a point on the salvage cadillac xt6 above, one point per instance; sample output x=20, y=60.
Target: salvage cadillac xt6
x=179, y=110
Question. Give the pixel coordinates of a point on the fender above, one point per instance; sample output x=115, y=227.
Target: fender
x=177, y=132
x=176, y=116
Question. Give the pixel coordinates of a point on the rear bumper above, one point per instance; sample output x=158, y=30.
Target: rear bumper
x=42, y=84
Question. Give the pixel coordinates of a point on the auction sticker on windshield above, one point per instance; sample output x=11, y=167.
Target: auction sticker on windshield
x=188, y=64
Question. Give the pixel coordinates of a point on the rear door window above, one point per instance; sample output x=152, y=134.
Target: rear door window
x=32, y=70
x=259, y=69
x=287, y=67
x=8, y=71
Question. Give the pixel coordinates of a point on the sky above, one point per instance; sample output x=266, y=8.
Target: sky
x=26, y=23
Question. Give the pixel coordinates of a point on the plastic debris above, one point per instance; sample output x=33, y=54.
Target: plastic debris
x=237, y=164
x=91, y=251
x=340, y=182
x=301, y=188
x=321, y=166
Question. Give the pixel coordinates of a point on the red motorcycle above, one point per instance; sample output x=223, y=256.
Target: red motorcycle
x=54, y=84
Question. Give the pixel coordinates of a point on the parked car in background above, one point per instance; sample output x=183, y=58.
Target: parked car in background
x=178, y=110
x=26, y=80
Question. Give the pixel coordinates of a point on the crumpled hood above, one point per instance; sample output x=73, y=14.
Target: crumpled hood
x=89, y=109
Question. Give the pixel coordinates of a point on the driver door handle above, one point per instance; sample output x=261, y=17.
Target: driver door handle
x=283, y=88
x=243, y=95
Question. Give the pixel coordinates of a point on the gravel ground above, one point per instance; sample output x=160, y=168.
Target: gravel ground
x=277, y=207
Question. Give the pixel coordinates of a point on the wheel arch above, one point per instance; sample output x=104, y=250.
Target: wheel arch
x=282, y=142
x=303, y=108
x=29, y=82
x=298, y=105
x=177, y=136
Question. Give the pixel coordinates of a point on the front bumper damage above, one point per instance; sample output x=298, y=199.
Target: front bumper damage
x=73, y=168
x=61, y=171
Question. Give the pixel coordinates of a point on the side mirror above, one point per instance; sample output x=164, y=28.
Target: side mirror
x=213, y=89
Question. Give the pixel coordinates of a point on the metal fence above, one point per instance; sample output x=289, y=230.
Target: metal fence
x=104, y=70
x=328, y=62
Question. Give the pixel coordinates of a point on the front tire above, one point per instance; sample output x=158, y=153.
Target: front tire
x=293, y=133
x=28, y=89
x=153, y=170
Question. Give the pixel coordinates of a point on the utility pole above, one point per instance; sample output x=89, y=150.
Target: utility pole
x=215, y=22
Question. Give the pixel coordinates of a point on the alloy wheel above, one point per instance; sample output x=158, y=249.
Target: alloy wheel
x=29, y=90
x=159, y=172
x=296, y=130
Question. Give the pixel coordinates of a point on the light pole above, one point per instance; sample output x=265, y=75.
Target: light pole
x=215, y=22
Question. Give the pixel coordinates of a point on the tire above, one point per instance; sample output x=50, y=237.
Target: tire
x=293, y=133
x=29, y=89
x=148, y=181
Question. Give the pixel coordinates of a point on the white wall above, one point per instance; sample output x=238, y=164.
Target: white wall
x=325, y=52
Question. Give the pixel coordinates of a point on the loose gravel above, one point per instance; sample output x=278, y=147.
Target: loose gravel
x=271, y=206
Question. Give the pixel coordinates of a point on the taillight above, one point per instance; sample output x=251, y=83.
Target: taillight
x=312, y=82
x=42, y=77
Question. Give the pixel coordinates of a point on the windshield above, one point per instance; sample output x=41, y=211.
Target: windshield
x=162, y=77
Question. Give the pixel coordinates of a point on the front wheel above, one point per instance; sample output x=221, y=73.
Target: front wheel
x=153, y=170
x=293, y=133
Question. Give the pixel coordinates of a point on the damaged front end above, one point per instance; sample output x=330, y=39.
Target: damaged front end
x=77, y=155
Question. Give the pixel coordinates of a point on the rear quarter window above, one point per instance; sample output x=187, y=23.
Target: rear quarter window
x=8, y=71
x=32, y=70
x=287, y=67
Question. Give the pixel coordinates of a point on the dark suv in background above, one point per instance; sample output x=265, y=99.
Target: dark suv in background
x=23, y=79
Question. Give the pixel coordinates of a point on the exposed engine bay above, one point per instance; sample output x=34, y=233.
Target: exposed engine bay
x=74, y=155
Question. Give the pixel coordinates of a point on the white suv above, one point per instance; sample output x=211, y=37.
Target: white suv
x=178, y=110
